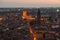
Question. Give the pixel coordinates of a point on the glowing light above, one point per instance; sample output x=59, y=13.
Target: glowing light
x=24, y=14
x=1, y=19
x=30, y=18
x=34, y=35
x=18, y=9
x=42, y=19
x=57, y=10
x=31, y=31
x=19, y=28
x=34, y=38
x=23, y=17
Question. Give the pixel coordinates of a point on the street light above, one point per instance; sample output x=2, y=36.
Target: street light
x=57, y=12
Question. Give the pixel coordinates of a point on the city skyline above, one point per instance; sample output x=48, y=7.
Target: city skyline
x=29, y=3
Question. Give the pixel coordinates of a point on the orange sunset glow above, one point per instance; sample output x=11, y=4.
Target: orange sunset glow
x=27, y=3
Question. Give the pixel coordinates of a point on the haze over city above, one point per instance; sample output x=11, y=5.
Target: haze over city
x=29, y=3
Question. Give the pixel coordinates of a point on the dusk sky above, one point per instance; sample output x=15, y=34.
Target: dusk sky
x=29, y=3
